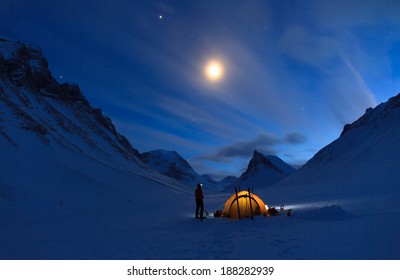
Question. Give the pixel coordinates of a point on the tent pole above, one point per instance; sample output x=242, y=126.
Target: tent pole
x=237, y=202
x=251, y=206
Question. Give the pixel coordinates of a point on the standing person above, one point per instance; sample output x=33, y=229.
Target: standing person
x=199, y=202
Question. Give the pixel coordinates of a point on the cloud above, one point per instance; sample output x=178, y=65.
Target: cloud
x=295, y=138
x=264, y=143
x=347, y=93
x=308, y=69
x=309, y=47
x=364, y=90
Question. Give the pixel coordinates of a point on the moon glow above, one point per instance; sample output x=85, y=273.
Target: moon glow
x=214, y=70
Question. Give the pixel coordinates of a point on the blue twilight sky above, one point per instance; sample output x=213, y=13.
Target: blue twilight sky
x=294, y=71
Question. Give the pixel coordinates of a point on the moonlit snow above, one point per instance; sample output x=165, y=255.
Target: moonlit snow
x=72, y=188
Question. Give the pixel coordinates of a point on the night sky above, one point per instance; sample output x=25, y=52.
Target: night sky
x=292, y=72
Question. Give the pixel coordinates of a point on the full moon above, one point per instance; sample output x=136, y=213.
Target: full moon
x=214, y=70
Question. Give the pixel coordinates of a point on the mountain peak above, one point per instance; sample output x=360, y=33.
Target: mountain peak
x=263, y=171
x=363, y=162
x=58, y=113
x=26, y=67
x=258, y=155
x=258, y=160
x=374, y=115
x=173, y=165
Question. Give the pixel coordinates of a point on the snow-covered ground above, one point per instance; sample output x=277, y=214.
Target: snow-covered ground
x=160, y=225
x=83, y=209
x=72, y=187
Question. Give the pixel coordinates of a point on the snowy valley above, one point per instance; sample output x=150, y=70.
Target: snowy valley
x=72, y=187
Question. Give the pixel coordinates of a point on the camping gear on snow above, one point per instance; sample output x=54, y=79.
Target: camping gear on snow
x=215, y=214
x=244, y=204
x=282, y=209
x=218, y=213
x=272, y=211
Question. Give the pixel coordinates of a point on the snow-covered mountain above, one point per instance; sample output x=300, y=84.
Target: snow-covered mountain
x=49, y=130
x=173, y=165
x=363, y=162
x=34, y=104
x=66, y=175
x=71, y=187
x=262, y=171
x=208, y=180
x=32, y=101
x=227, y=180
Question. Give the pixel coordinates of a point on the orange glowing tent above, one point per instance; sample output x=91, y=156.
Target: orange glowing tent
x=244, y=204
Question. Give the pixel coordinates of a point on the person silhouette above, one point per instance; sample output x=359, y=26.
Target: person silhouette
x=199, y=202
